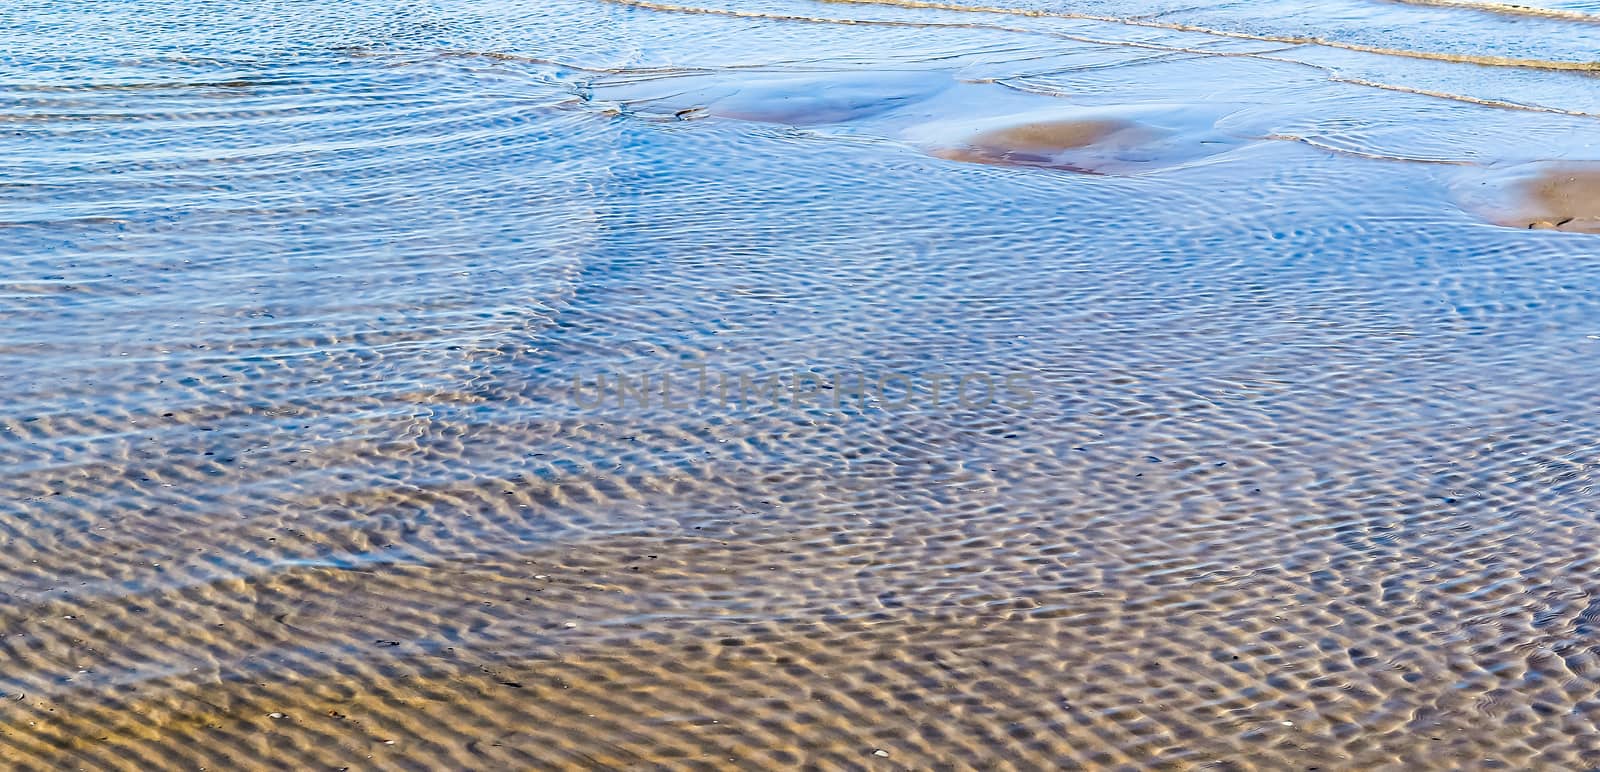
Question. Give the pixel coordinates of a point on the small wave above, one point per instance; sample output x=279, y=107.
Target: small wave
x=1508, y=9
x=1439, y=56
x=1332, y=73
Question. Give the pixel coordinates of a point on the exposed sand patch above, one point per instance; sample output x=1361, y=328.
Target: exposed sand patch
x=1048, y=144
x=1113, y=140
x=1562, y=196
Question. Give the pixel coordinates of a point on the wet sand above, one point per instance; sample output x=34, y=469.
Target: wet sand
x=1114, y=140
x=1548, y=196
x=311, y=462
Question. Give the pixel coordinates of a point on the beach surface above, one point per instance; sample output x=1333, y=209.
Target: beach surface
x=620, y=384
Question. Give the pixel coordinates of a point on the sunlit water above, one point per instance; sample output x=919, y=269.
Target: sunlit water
x=1265, y=337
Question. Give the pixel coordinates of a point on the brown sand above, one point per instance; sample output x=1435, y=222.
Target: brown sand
x=1562, y=196
x=1092, y=140
x=1044, y=143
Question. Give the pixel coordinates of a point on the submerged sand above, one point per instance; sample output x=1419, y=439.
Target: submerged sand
x=306, y=311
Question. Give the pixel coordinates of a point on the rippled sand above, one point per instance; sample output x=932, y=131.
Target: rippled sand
x=307, y=464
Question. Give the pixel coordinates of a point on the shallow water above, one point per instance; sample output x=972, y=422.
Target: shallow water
x=1262, y=440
